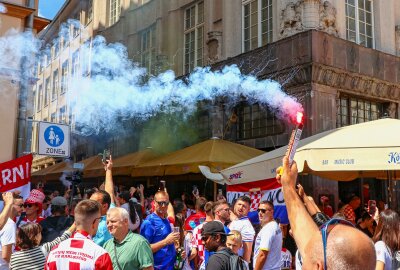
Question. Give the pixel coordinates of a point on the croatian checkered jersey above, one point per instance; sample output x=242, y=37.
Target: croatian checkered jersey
x=78, y=253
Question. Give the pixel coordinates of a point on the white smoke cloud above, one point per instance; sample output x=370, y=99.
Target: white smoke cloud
x=3, y=9
x=115, y=88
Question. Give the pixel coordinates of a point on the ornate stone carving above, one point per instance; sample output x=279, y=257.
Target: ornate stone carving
x=291, y=19
x=328, y=18
x=214, y=46
x=349, y=82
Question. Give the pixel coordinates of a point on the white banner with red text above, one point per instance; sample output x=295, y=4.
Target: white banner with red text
x=16, y=175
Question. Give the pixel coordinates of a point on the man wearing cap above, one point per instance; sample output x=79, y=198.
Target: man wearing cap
x=58, y=222
x=33, y=208
x=214, y=238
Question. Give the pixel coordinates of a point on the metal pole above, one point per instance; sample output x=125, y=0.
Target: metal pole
x=23, y=91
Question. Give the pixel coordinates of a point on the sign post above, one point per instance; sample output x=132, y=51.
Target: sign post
x=54, y=139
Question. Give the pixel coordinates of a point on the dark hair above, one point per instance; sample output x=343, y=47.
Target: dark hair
x=244, y=198
x=320, y=218
x=201, y=203
x=132, y=212
x=26, y=236
x=125, y=195
x=365, y=216
x=388, y=230
x=46, y=199
x=106, y=198
x=15, y=196
x=178, y=207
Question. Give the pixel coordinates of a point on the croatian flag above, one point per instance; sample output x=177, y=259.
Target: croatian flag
x=16, y=175
x=258, y=191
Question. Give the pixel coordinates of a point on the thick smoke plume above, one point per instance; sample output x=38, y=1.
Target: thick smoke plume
x=117, y=88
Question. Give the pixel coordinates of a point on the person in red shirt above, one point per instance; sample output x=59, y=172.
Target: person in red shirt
x=199, y=217
x=79, y=251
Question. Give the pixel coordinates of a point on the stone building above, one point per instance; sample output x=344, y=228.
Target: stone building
x=15, y=15
x=340, y=58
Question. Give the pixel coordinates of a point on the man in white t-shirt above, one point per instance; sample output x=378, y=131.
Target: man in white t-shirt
x=267, y=249
x=7, y=237
x=244, y=226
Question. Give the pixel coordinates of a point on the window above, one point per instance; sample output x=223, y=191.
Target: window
x=359, y=22
x=64, y=76
x=75, y=63
x=56, y=49
x=76, y=24
x=148, y=49
x=55, y=85
x=89, y=12
x=53, y=118
x=62, y=115
x=115, y=11
x=204, y=125
x=254, y=121
x=194, y=35
x=40, y=95
x=353, y=110
x=47, y=91
x=34, y=100
x=257, y=23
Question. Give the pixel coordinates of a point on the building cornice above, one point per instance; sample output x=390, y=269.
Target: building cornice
x=18, y=11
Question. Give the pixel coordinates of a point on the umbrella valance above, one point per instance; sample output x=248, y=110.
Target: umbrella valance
x=370, y=149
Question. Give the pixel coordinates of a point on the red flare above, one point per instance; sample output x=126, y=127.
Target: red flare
x=299, y=118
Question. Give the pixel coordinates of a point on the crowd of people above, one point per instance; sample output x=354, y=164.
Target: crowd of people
x=105, y=229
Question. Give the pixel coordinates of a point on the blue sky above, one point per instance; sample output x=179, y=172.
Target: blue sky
x=49, y=8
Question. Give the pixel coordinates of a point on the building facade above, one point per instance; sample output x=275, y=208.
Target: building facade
x=15, y=15
x=339, y=57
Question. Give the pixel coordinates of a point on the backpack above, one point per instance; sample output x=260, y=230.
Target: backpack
x=235, y=262
x=52, y=230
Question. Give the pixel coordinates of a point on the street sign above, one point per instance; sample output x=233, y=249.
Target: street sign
x=54, y=139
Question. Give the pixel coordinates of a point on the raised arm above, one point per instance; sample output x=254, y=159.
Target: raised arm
x=300, y=220
x=8, y=204
x=109, y=183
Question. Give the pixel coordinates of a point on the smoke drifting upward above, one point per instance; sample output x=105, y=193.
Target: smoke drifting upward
x=115, y=90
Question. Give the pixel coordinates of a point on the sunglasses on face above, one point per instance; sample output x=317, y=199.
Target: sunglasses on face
x=162, y=203
x=98, y=218
x=325, y=231
x=263, y=210
x=28, y=205
x=205, y=237
x=20, y=205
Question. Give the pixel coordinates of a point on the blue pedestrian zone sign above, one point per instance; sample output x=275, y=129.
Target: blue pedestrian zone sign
x=53, y=139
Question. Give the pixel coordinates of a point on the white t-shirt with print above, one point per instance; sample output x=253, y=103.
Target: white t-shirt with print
x=383, y=254
x=286, y=259
x=244, y=226
x=269, y=239
x=7, y=237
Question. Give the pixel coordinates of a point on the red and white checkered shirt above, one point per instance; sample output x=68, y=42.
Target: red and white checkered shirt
x=197, y=242
x=348, y=213
x=78, y=253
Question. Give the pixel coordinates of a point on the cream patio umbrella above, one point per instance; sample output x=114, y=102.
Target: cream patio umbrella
x=370, y=149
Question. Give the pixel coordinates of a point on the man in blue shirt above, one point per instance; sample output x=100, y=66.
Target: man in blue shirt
x=156, y=228
x=107, y=200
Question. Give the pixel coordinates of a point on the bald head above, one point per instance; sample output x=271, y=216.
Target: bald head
x=347, y=248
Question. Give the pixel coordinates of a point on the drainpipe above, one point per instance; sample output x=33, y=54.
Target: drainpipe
x=23, y=90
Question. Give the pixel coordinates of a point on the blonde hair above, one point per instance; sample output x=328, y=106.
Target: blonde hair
x=236, y=236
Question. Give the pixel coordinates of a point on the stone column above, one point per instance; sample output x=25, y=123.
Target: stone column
x=311, y=14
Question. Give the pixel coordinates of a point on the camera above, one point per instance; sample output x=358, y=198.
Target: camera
x=105, y=156
x=75, y=177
